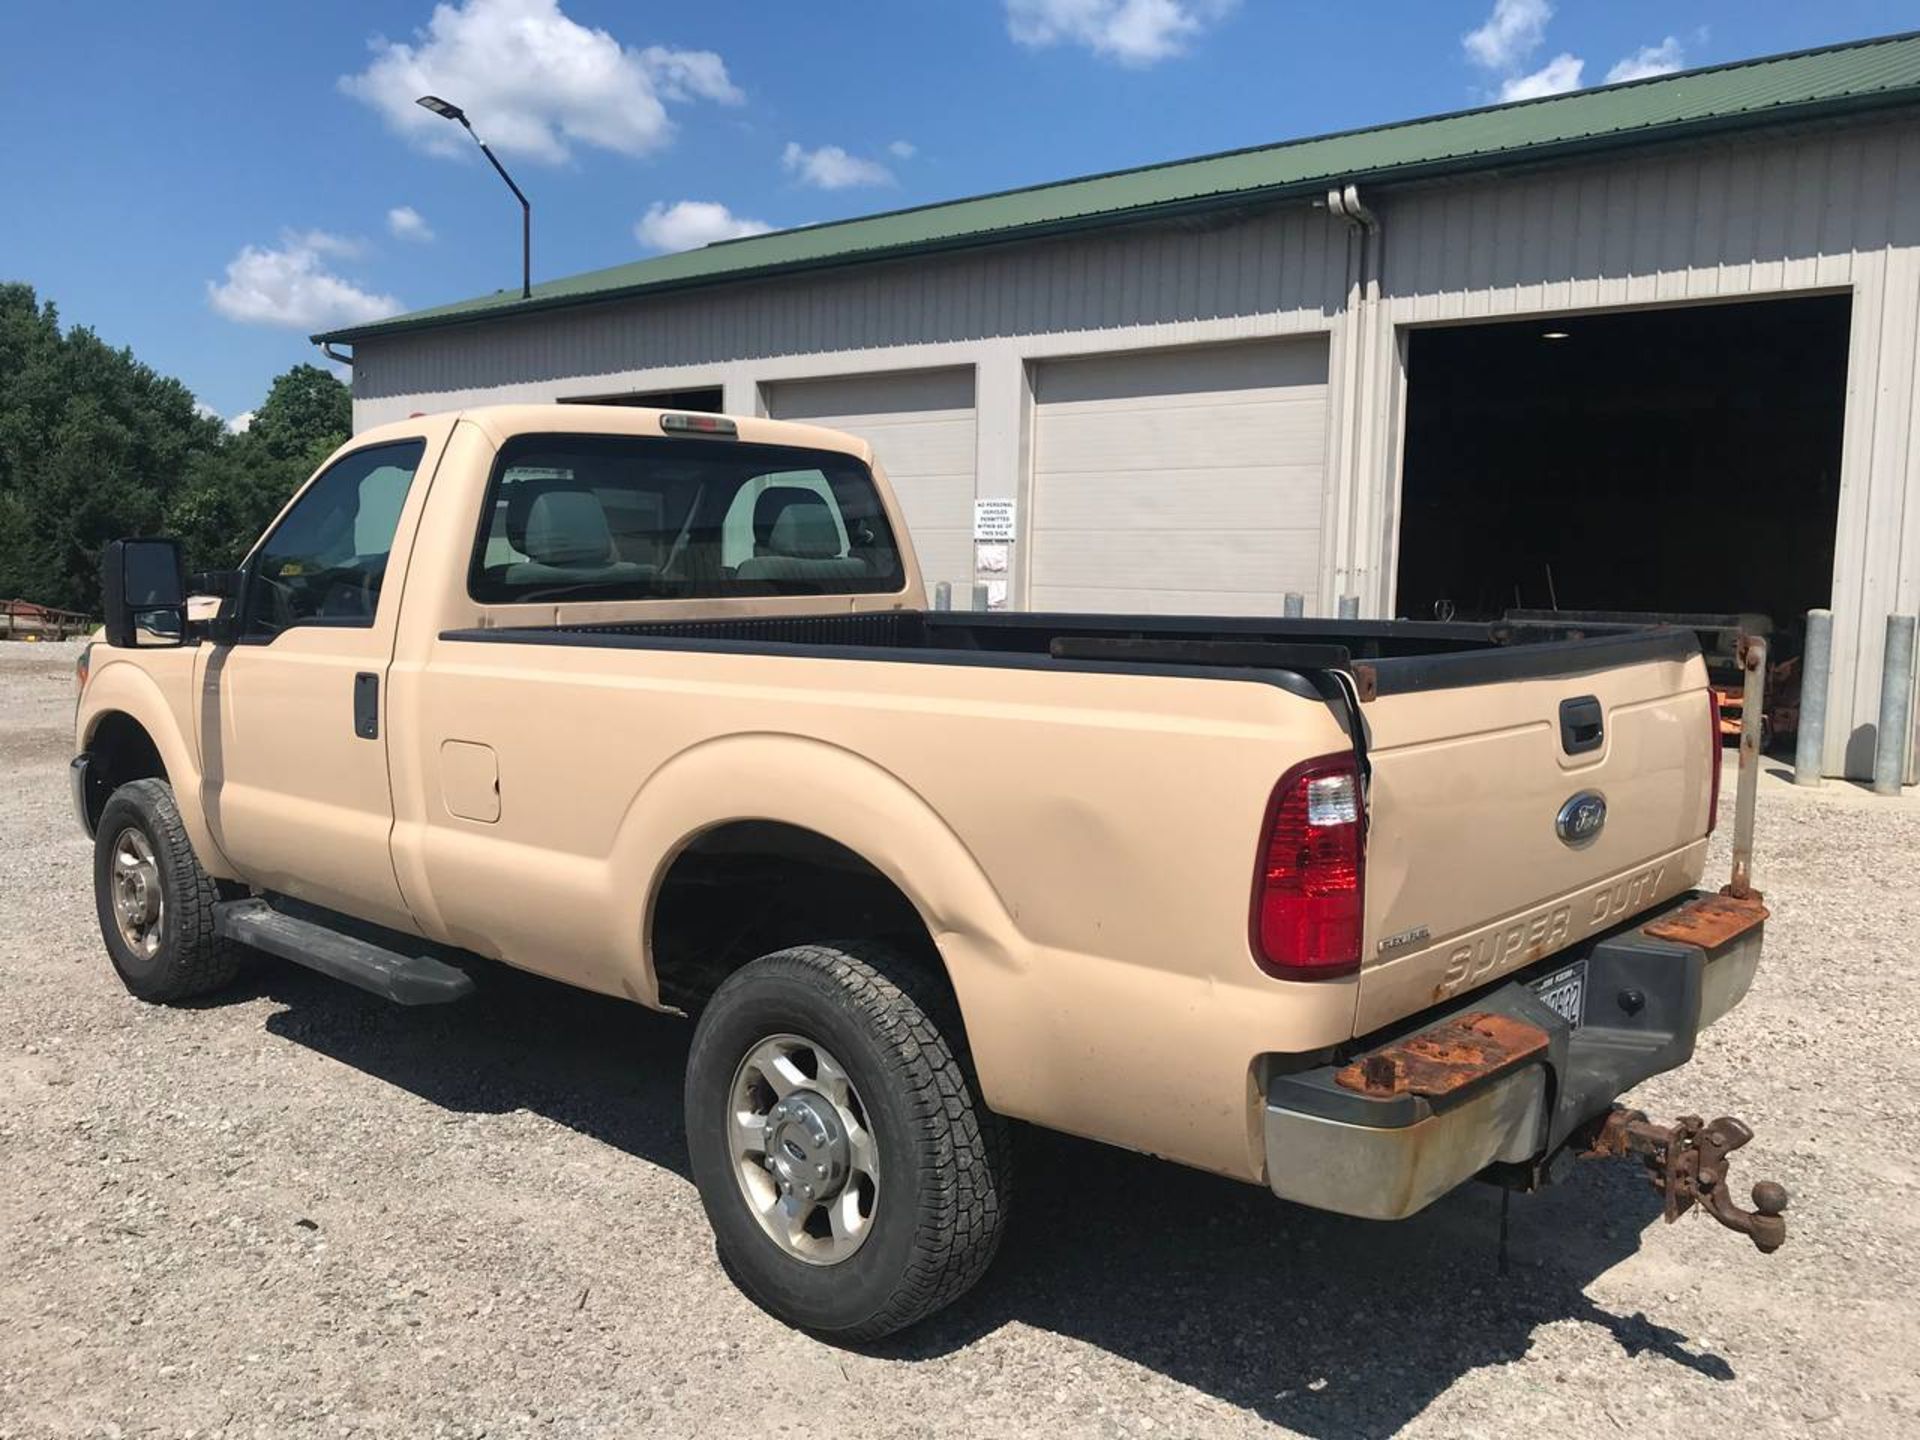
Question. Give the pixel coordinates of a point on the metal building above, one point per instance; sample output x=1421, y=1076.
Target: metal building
x=1651, y=346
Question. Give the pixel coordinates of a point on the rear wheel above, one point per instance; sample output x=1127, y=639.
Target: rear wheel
x=854, y=1182
x=154, y=900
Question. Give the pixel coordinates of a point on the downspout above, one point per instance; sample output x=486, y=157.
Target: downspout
x=1357, y=374
x=326, y=349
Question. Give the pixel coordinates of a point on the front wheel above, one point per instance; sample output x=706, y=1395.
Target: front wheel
x=155, y=901
x=854, y=1181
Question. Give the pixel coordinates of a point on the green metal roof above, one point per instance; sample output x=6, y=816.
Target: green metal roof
x=1808, y=84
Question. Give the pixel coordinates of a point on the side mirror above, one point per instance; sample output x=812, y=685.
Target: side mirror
x=144, y=593
x=213, y=603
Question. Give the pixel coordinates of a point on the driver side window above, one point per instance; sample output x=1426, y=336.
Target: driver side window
x=324, y=563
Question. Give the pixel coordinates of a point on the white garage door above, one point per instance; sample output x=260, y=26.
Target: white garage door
x=1179, y=481
x=921, y=426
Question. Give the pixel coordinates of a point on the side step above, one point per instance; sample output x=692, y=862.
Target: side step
x=404, y=979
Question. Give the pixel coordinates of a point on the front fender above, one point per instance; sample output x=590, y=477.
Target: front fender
x=118, y=684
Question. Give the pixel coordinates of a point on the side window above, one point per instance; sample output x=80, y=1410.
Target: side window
x=325, y=561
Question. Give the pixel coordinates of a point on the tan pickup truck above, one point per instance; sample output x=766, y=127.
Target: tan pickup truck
x=653, y=704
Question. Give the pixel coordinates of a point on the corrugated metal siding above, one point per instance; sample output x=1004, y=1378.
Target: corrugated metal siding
x=1285, y=263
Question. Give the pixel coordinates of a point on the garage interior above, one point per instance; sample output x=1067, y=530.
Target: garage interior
x=1683, y=459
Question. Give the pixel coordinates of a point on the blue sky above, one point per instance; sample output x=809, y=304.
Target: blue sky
x=209, y=182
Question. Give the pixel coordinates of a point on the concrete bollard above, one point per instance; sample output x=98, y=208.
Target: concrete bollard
x=1816, y=664
x=1349, y=607
x=1295, y=605
x=943, y=595
x=1896, y=707
x=978, y=600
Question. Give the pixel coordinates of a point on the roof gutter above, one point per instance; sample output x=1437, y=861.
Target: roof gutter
x=1314, y=188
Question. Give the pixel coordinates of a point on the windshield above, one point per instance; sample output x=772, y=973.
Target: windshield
x=575, y=517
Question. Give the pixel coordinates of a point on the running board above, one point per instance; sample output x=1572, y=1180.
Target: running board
x=404, y=979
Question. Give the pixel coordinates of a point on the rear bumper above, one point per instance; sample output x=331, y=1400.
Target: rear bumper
x=1383, y=1141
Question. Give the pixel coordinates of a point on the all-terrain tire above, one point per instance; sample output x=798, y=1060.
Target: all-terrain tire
x=945, y=1159
x=191, y=958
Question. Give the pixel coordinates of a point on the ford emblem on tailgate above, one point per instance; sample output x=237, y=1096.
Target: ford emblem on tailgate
x=1581, y=818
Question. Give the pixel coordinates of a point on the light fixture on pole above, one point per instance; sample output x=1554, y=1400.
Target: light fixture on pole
x=447, y=110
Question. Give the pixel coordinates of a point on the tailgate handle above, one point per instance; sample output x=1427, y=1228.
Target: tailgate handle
x=1582, y=727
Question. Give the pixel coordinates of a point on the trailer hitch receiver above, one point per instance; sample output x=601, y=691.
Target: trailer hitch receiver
x=1687, y=1163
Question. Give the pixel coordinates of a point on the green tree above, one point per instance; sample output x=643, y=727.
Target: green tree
x=306, y=414
x=94, y=444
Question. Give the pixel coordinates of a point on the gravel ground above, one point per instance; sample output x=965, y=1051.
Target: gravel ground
x=298, y=1211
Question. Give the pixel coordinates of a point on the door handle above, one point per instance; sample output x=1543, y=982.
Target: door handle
x=366, y=706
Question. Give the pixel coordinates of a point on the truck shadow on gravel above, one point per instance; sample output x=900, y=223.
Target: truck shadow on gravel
x=1332, y=1327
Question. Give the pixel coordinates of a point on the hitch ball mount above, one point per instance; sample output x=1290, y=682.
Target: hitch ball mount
x=1687, y=1164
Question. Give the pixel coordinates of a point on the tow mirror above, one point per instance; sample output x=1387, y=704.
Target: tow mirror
x=213, y=603
x=144, y=593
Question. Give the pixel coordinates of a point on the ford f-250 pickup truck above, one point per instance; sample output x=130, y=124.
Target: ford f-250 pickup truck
x=653, y=704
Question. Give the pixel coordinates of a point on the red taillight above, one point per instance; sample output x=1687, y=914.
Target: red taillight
x=1713, y=759
x=1308, y=884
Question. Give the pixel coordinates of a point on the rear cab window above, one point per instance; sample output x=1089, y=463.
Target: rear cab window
x=600, y=518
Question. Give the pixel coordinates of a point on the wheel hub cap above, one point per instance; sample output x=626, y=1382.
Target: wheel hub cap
x=807, y=1146
x=139, y=907
x=804, y=1158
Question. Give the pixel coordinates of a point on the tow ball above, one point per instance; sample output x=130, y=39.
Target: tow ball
x=1687, y=1163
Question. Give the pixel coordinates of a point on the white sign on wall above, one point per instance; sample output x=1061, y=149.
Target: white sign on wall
x=993, y=520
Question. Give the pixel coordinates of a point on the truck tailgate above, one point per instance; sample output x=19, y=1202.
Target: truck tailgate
x=1468, y=873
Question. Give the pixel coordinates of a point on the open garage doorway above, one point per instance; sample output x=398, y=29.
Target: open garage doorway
x=1685, y=459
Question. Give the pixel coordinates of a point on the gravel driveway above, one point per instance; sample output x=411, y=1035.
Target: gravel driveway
x=299, y=1211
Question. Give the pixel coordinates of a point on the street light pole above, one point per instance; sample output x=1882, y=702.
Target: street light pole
x=448, y=111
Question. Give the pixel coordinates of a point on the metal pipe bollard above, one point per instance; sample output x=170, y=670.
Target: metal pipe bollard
x=1816, y=665
x=1753, y=665
x=1349, y=607
x=943, y=595
x=1295, y=605
x=1896, y=707
x=979, y=598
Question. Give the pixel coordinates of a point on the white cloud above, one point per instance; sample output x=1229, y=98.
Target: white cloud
x=689, y=224
x=903, y=149
x=289, y=285
x=1511, y=33
x=831, y=168
x=691, y=75
x=534, y=82
x=1556, y=77
x=236, y=426
x=1648, y=61
x=1131, y=32
x=407, y=223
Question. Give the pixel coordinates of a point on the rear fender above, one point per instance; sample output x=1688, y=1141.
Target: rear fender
x=831, y=791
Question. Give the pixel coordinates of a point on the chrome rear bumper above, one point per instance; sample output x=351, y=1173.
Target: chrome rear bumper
x=1408, y=1120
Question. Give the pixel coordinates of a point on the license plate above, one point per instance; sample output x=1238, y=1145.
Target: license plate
x=1564, y=992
